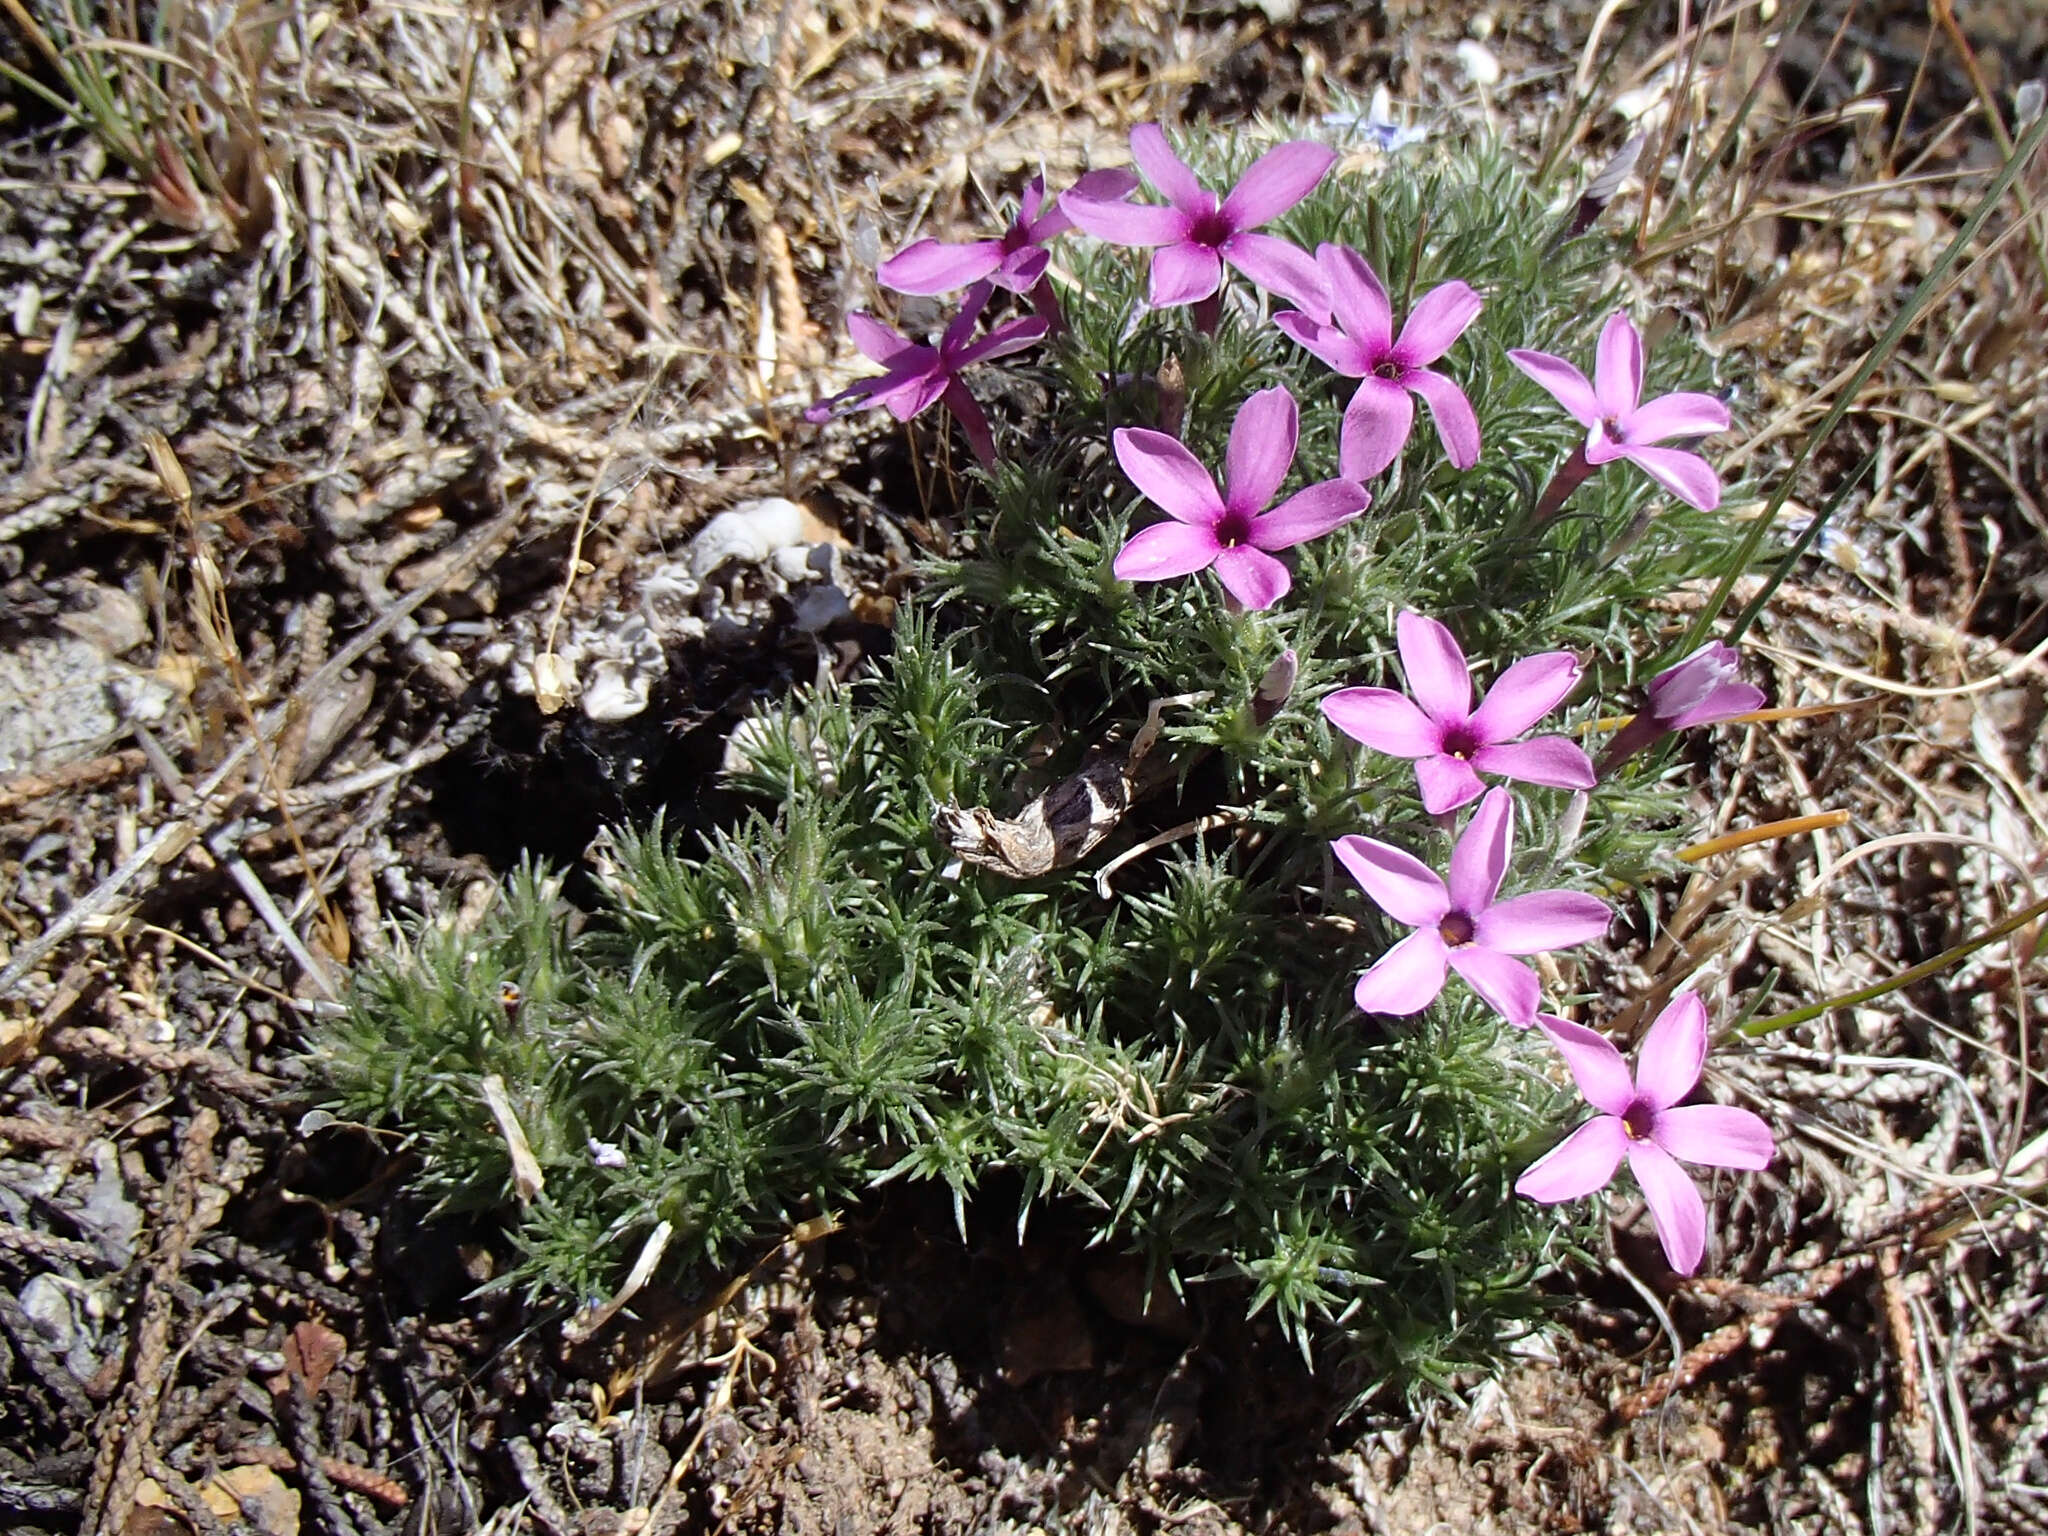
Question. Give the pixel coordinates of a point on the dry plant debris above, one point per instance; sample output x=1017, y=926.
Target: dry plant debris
x=456, y=323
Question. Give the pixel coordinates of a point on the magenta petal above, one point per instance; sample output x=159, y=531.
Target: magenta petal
x=1000, y=341
x=1384, y=720
x=1252, y=576
x=1406, y=979
x=1618, y=366
x=973, y=422
x=1596, y=1066
x=1375, y=428
x=1437, y=674
x=1261, y=450
x=1111, y=186
x=1563, y=381
x=1122, y=223
x=1668, y=1066
x=1022, y=269
x=1276, y=181
x=1310, y=513
x=1171, y=477
x=1685, y=414
x=1446, y=782
x=1506, y=986
x=1029, y=202
x=1331, y=345
x=1165, y=550
x=930, y=267
x=1524, y=694
x=1279, y=268
x=1184, y=273
x=1685, y=475
x=1438, y=319
x=1717, y=1135
x=1457, y=428
x=1401, y=885
x=1167, y=171
x=1479, y=859
x=1357, y=298
x=1583, y=1162
x=961, y=326
x=1723, y=703
x=1539, y=921
x=1551, y=761
x=1675, y=1205
x=910, y=395
x=877, y=342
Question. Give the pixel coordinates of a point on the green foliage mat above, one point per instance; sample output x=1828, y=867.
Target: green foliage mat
x=815, y=1005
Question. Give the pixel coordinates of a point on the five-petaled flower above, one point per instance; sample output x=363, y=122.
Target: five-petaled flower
x=1017, y=259
x=1460, y=924
x=1231, y=531
x=1196, y=231
x=917, y=376
x=1640, y=1118
x=1452, y=742
x=1362, y=345
x=1620, y=424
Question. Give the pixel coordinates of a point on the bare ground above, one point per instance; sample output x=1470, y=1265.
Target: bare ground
x=453, y=303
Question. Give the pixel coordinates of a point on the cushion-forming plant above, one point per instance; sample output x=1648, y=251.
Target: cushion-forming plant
x=1158, y=1024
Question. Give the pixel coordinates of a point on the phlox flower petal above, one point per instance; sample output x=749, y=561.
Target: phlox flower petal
x=1505, y=985
x=1310, y=513
x=1171, y=478
x=1675, y=1205
x=1252, y=576
x=1401, y=885
x=1262, y=440
x=1407, y=978
x=1384, y=720
x=1439, y=318
x=1583, y=1162
x=1673, y=1052
x=1716, y=1136
x=1166, y=550
x=1437, y=674
x=1276, y=181
x=1618, y=366
x=1375, y=428
x=1596, y=1065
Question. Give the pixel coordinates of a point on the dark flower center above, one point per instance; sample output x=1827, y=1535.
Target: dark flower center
x=1234, y=528
x=1461, y=741
x=1639, y=1120
x=1455, y=929
x=1210, y=228
x=1390, y=370
x=1610, y=427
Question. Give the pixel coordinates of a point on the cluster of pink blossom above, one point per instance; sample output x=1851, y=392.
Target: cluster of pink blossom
x=1462, y=925
x=1340, y=313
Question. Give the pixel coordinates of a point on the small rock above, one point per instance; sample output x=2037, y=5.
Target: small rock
x=616, y=691
x=1481, y=65
x=751, y=531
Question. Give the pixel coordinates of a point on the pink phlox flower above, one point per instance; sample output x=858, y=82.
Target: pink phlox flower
x=1642, y=1119
x=1195, y=231
x=1620, y=424
x=1017, y=259
x=915, y=376
x=1231, y=531
x=1361, y=344
x=1702, y=690
x=1453, y=743
x=1460, y=924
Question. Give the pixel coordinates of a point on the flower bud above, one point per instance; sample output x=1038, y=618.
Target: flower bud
x=1702, y=690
